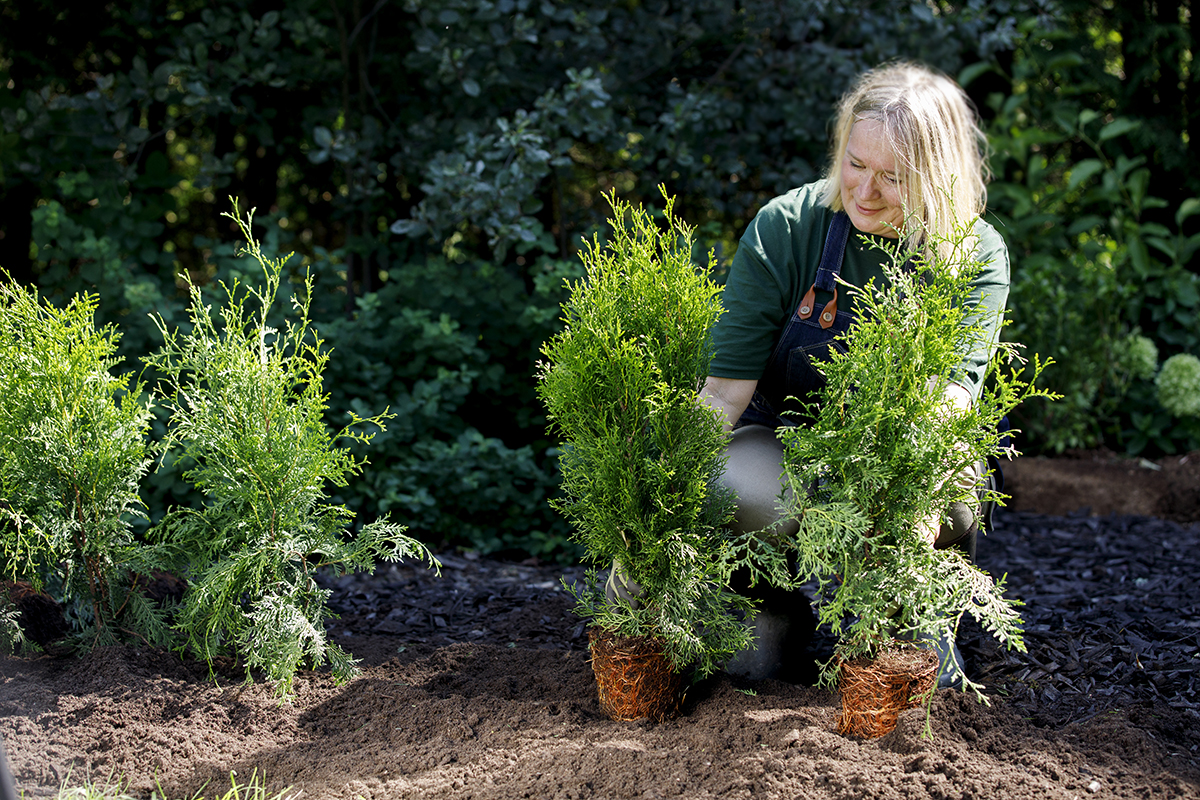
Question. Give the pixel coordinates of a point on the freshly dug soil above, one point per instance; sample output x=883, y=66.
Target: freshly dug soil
x=477, y=684
x=1099, y=482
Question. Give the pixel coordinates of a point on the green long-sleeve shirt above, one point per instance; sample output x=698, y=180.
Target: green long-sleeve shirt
x=777, y=262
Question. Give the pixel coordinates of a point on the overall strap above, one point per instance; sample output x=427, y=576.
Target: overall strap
x=834, y=252
x=831, y=264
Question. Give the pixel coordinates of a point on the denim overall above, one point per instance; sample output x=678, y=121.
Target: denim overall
x=794, y=368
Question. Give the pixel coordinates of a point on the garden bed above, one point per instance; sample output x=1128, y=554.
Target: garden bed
x=477, y=684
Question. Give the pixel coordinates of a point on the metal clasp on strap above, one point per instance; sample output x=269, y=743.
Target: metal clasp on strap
x=827, y=271
x=828, y=314
x=806, y=305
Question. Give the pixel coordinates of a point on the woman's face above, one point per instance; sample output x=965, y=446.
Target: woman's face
x=871, y=188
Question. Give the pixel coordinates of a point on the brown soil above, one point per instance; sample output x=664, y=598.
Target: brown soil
x=1101, y=483
x=478, y=685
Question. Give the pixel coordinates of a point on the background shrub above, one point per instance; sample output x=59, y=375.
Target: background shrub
x=436, y=161
x=1101, y=231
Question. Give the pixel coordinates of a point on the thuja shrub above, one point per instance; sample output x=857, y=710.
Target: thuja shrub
x=72, y=451
x=873, y=465
x=247, y=409
x=640, y=454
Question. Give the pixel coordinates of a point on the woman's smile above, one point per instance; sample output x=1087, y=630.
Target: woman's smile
x=871, y=186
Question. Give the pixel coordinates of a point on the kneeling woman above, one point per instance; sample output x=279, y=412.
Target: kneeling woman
x=907, y=156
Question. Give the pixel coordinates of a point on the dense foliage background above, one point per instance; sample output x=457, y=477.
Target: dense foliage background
x=434, y=163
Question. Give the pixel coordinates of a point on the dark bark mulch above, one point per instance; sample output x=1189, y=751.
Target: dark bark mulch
x=1112, y=615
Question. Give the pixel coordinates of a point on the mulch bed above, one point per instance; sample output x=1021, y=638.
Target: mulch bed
x=1112, y=615
x=477, y=684
x=1111, y=611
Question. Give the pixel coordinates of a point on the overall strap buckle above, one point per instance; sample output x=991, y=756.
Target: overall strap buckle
x=828, y=314
x=831, y=264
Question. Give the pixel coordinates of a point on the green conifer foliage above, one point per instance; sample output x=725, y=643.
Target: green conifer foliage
x=873, y=463
x=247, y=407
x=640, y=455
x=72, y=450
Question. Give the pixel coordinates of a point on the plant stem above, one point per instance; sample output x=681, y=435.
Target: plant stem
x=89, y=569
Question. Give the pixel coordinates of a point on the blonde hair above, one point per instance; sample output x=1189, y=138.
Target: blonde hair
x=940, y=150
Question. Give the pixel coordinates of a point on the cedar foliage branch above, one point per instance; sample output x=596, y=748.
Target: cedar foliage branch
x=72, y=452
x=640, y=456
x=873, y=464
x=247, y=408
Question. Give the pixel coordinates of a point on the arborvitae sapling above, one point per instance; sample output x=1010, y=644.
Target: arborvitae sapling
x=872, y=465
x=640, y=455
x=247, y=407
x=72, y=451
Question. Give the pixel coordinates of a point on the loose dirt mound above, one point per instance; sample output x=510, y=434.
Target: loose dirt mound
x=478, y=685
x=493, y=722
x=1099, y=482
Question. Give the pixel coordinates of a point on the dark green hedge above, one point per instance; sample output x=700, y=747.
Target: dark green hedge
x=434, y=163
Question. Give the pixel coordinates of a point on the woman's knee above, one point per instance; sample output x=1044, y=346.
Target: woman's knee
x=754, y=473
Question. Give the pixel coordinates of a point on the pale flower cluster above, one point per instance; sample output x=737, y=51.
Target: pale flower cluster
x=1139, y=357
x=1178, y=385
